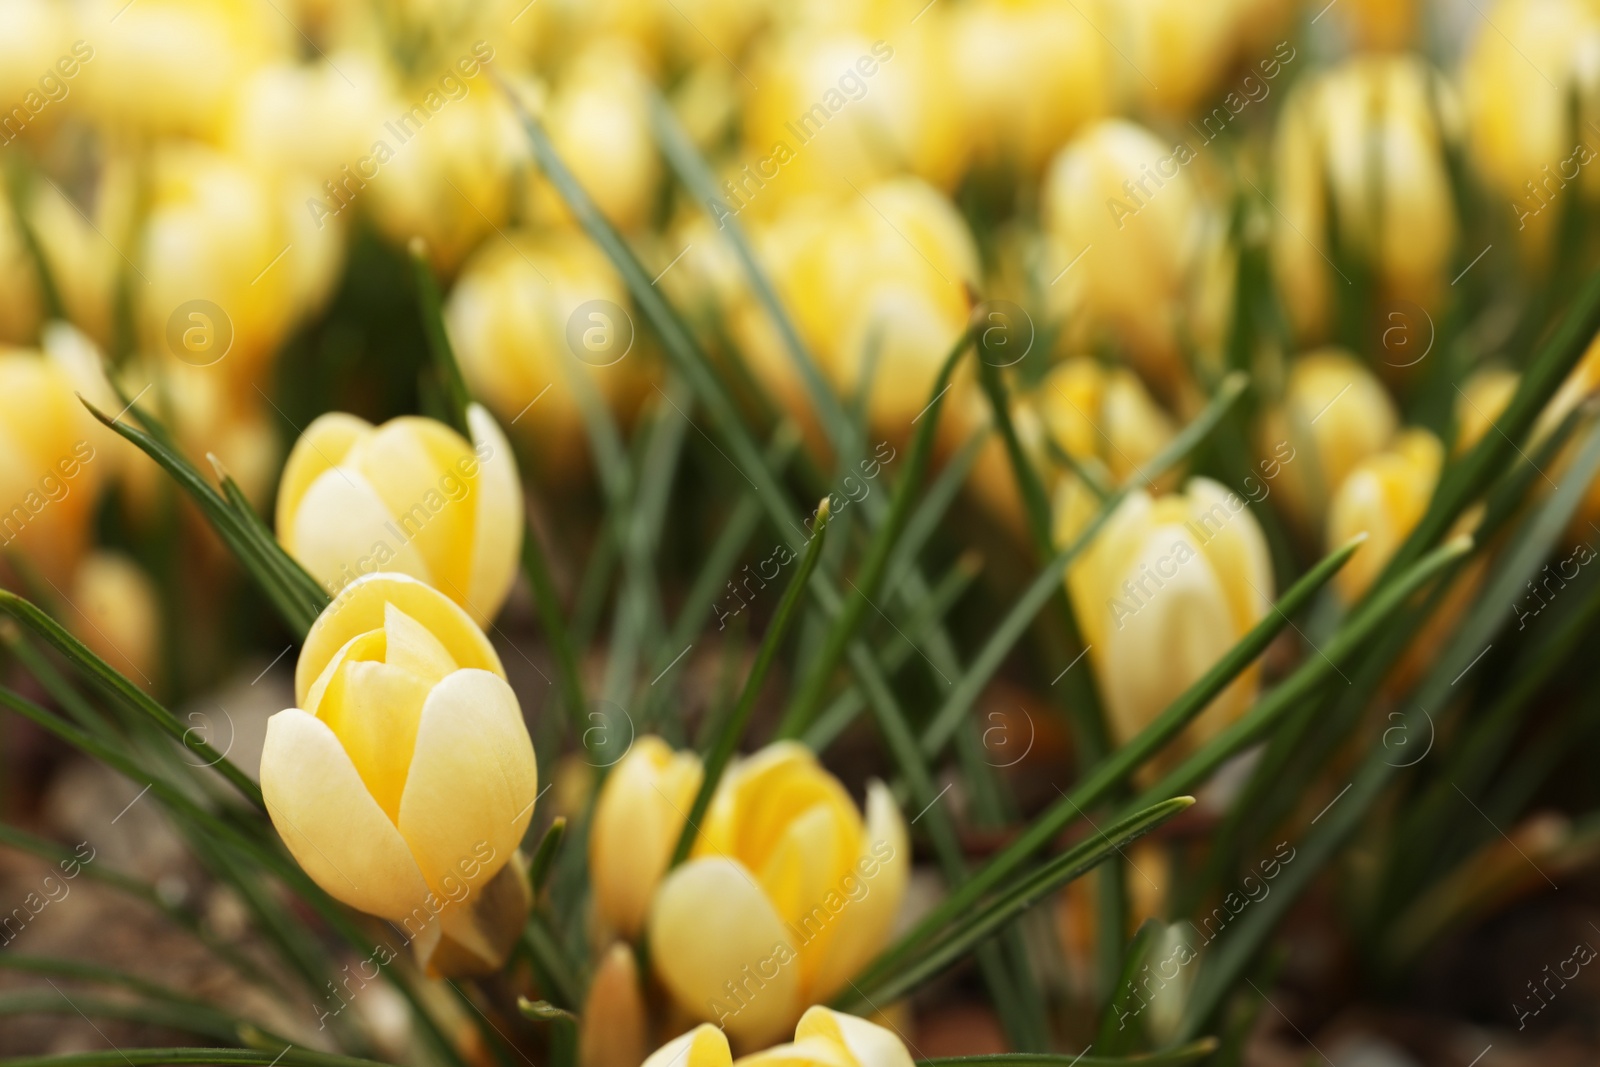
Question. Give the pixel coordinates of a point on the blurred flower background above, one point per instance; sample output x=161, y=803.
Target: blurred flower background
x=888, y=456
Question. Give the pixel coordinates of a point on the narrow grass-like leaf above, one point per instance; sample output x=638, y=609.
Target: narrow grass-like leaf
x=838, y=715
x=550, y=962
x=106, y=678
x=298, y=607
x=983, y=920
x=1114, y=770
x=804, y=707
x=944, y=723
x=545, y=854
x=185, y=1019
x=733, y=728
x=1114, y=1035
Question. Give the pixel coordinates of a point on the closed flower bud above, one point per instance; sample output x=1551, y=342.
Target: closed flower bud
x=840, y=104
x=116, y=612
x=1529, y=63
x=171, y=67
x=411, y=497
x=1384, y=497
x=788, y=893
x=1369, y=138
x=51, y=463
x=614, y=1014
x=1175, y=53
x=534, y=320
x=599, y=122
x=1164, y=590
x=637, y=820
x=1333, y=415
x=405, y=779
x=231, y=258
x=1126, y=203
x=1029, y=74
x=448, y=175
x=877, y=286
x=822, y=1038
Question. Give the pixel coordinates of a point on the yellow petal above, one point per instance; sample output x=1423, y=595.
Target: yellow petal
x=361, y=608
x=870, y=1045
x=808, y=1052
x=412, y=464
x=637, y=819
x=718, y=947
x=704, y=1046
x=497, y=533
x=410, y=647
x=803, y=883
x=470, y=792
x=331, y=825
x=882, y=872
x=342, y=528
x=367, y=646
x=322, y=446
x=374, y=709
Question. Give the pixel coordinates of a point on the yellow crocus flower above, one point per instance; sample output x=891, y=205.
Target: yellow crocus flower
x=404, y=780
x=411, y=496
x=1168, y=585
x=1383, y=497
x=788, y=892
x=822, y=1038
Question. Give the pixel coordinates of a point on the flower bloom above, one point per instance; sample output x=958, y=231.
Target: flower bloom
x=823, y=1038
x=1368, y=137
x=405, y=779
x=410, y=497
x=788, y=892
x=1162, y=592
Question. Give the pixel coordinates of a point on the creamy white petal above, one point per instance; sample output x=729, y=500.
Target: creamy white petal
x=331, y=824
x=704, y=1046
x=870, y=1045
x=719, y=948
x=473, y=780
x=342, y=528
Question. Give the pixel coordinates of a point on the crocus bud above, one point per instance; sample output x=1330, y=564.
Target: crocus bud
x=822, y=1038
x=529, y=317
x=1528, y=64
x=599, y=121
x=50, y=464
x=410, y=496
x=1333, y=414
x=405, y=779
x=1383, y=497
x=788, y=893
x=1129, y=205
x=1369, y=138
x=877, y=283
x=637, y=820
x=1029, y=73
x=614, y=1014
x=171, y=67
x=117, y=613
x=1167, y=586
x=232, y=260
